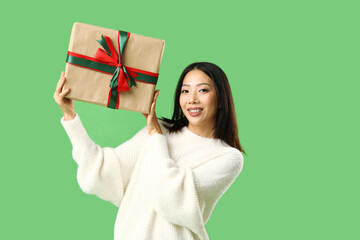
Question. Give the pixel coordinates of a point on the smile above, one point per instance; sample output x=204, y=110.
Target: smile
x=195, y=110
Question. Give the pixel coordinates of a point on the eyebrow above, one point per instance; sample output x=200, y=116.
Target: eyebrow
x=187, y=85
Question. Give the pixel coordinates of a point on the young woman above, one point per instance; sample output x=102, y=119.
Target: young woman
x=167, y=179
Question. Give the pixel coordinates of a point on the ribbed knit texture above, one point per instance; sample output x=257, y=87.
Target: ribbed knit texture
x=165, y=185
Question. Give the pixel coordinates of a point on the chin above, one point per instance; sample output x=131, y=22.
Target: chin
x=195, y=122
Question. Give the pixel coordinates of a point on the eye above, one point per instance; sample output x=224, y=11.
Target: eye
x=203, y=90
x=184, y=91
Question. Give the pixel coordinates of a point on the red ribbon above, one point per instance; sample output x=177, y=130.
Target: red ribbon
x=115, y=60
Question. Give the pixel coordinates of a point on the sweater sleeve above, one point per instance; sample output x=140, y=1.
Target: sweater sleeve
x=104, y=172
x=186, y=196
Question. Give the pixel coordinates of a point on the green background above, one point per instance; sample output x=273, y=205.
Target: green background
x=294, y=71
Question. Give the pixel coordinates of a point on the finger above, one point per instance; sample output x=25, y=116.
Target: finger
x=62, y=76
x=152, y=109
x=156, y=92
x=61, y=82
x=60, y=85
x=156, y=95
x=153, y=104
x=63, y=93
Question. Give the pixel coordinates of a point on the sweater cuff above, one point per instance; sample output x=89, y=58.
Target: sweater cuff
x=75, y=130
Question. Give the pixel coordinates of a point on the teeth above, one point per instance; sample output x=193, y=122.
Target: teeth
x=195, y=111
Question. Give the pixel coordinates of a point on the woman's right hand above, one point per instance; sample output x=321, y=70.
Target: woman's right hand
x=66, y=105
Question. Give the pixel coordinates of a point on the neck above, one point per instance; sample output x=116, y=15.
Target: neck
x=205, y=130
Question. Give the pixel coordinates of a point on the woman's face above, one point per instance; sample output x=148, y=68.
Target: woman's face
x=198, y=99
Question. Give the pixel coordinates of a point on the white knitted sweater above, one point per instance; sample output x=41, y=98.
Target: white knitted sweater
x=165, y=185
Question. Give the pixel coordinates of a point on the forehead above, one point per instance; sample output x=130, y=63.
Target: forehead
x=195, y=77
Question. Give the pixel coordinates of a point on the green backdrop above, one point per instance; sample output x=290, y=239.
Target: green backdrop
x=294, y=71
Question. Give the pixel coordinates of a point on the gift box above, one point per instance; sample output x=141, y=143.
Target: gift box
x=112, y=68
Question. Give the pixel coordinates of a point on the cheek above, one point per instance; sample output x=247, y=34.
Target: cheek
x=212, y=101
x=181, y=101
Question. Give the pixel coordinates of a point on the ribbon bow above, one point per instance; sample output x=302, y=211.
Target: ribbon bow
x=109, y=56
x=108, y=61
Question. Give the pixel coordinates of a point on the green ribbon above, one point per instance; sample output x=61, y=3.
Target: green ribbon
x=107, y=60
x=107, y=68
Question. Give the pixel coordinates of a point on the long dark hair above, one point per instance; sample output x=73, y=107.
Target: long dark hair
x=225, y=126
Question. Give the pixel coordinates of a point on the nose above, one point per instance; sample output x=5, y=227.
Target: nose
x=193, y=98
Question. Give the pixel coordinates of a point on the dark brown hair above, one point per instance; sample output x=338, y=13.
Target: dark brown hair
x=225, y=126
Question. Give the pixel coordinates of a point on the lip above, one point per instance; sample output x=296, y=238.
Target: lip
x=194, y=108
x=195, y=113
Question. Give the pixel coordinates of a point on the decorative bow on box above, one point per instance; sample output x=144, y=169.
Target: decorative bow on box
x=108, y=61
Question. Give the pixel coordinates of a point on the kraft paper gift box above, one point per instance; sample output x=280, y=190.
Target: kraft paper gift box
x=112, y=68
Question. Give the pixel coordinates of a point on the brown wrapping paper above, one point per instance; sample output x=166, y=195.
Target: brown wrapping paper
x=141, y=52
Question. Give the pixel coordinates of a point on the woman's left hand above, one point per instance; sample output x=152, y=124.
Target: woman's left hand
x=153, y=125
